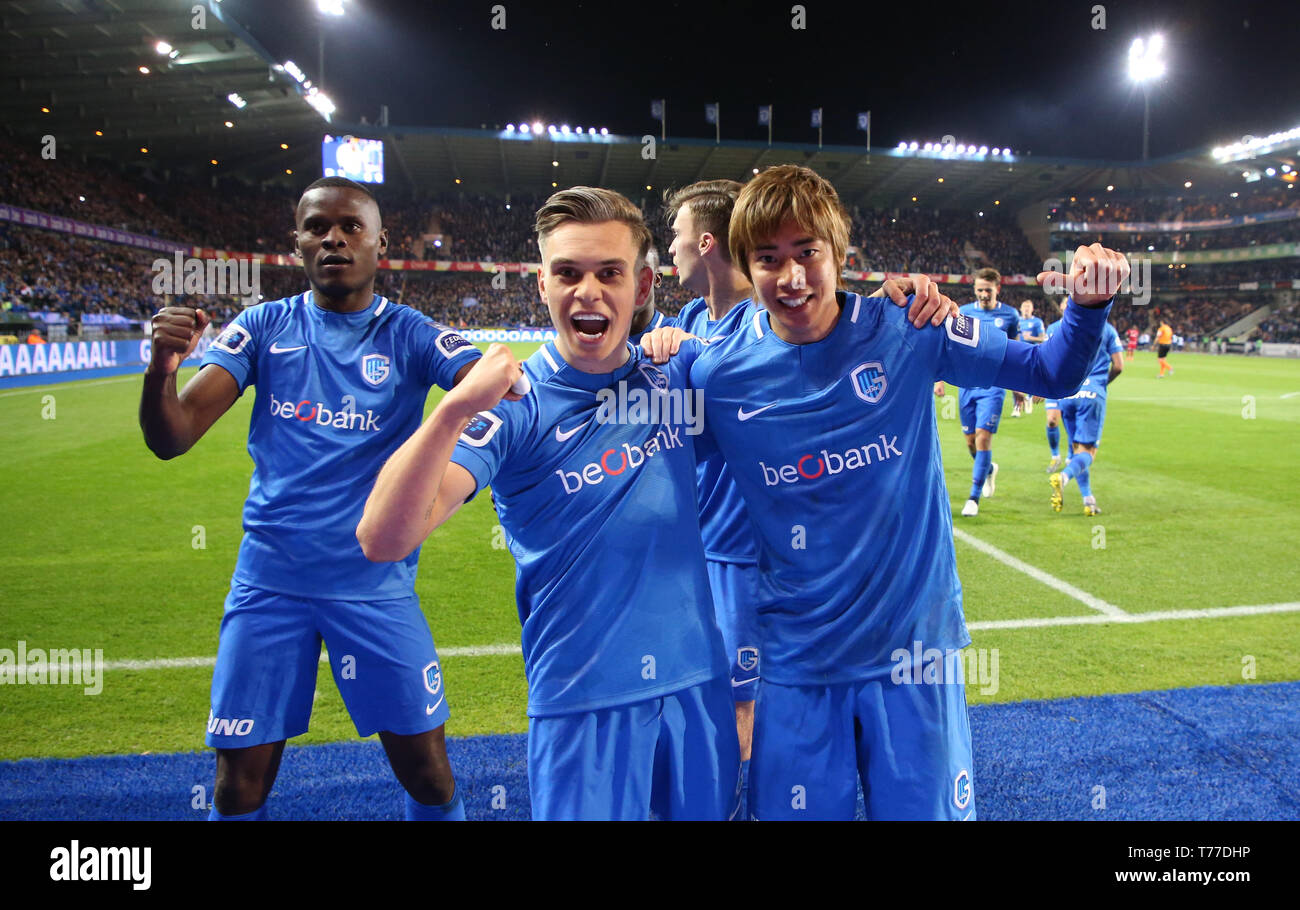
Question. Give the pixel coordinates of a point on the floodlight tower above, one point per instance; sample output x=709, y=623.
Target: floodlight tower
x=1145, y=65
x=325, y=8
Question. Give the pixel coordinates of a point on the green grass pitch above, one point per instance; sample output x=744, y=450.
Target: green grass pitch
x=106, y=547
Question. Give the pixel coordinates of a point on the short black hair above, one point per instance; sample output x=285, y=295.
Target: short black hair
x=343, y=182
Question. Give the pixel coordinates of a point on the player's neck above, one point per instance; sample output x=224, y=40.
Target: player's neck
x=353, y=302
x=609, y=364
x=726, y=289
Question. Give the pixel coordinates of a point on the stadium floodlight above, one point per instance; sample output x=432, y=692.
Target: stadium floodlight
x=1110, y=187
x=902, y=146
x=929, y=146
x=961, y=149
x=1144, y=66
x=163, y=48
x=510, y=127
x=984, y=149
x=237, y=100
x=565, y=129
x=550, y=128
x=1187, y=184
x=1270, y=171
x=230, y=125
x=912, y=146
x=525, y=129
x=321, y=102
x=578, y=131
x=1234, y=194
x=604, y=131
x=537, y=126
x=144, y=71
x=1286, y=168
x=330, y=7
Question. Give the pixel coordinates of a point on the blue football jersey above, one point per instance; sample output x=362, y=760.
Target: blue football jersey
x=601, y=516
x=337, y=393
x=1099, y=372
x=728, y=536
x=657, y=321
x=1002, y=318
x=834, y=447
x=1030, y=328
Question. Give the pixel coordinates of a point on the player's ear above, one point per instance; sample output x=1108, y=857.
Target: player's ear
x=383, y=241
x=645, y=286
x=707, y=241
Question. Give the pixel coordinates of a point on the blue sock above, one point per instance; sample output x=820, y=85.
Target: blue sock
x=1054, y=440
x=983, y=460
x=257, y=815
x=1078, y=465
x=1084, y=480
x=453, y=811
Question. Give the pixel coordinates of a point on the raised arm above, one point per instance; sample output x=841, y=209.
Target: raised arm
x=419, y=488
x=172, y=423
x=1057, y=367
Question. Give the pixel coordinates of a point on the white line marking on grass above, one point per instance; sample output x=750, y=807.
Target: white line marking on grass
x=1069, y=590
x=1291, y=394
x=182, y=663
x=1154, y=616
x=81, y=385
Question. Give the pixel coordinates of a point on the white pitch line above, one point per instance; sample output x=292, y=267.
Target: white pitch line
x=1069, y=590
x=134, y=377
x=1154, y=616
x=175, y=663
x=182, y=663
x=1291, y=394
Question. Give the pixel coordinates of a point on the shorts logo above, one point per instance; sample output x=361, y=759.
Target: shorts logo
x=433, y=678
x=747, y=658
x=232, y=339
x=654, y=376
x=449, y=342
x=482, y=427
x=229, y=726
x=963, y=330
x=374, y=368
x=869, y=382
x=961, y=789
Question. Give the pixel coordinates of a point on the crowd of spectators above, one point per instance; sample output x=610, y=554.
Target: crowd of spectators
x=1262, y=198
x=1281, y=325
x=1220, y=239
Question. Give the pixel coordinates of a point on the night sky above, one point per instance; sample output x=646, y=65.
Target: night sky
x=1036, y=76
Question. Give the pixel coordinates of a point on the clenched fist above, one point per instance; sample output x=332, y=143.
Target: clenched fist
x=176, y=333
x=487, y=383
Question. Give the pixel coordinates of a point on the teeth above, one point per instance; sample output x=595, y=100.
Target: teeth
x=589, y=317
x=792, y=301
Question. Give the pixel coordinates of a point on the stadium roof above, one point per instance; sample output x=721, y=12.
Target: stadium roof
x=80, y=59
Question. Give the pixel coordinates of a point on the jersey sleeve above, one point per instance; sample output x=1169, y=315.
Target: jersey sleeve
x=235, y=348
x=442, y=351
x=969, y=354
x=486, y=442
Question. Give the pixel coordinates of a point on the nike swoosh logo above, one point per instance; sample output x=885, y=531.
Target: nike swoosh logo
x=429, y=709
x=736, y=685
x=276, y=349
x=564, y=436
x=745, y=415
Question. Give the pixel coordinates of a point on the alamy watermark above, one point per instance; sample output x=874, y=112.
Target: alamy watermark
x=1138, y=282
x=922, y=666
x=59, y=666
x=192, y=277
x=651, y=402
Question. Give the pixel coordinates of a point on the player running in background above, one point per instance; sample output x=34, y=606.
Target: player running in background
x=341, y=375
x=1164, y=338
x=1031, y=332
x=1084, y=413
x=821, y=405
x=981, y=408
x=1132, y=338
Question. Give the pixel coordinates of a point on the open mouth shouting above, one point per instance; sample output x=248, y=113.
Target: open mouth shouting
x=794, y=301
x=589, y=327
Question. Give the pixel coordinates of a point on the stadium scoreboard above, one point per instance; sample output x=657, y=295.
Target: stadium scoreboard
x=349, y=156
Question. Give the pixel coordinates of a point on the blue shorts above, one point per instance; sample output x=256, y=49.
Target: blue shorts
x=381, y=653
x=1083, y=418
x=735, y=592
x=908, y=744
x=981, y=409
x=676, y=755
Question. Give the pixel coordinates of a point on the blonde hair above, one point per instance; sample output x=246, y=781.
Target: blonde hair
x=784, y=193
x=593, y=205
